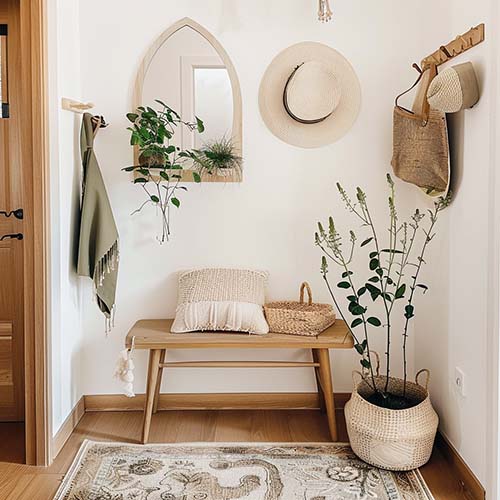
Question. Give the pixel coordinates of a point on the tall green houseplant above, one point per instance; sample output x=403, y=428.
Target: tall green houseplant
x=392, y=279
x=159, y=172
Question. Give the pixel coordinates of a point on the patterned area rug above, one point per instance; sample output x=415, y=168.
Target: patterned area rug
x=117, y=471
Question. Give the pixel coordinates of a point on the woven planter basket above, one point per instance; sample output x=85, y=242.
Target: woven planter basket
x=299, y=318
x=397, y=440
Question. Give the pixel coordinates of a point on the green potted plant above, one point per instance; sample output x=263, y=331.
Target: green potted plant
x=219, y=158
x=159, y=172
x=390, y=421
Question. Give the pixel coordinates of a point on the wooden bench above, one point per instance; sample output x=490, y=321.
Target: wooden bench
x=155, y=336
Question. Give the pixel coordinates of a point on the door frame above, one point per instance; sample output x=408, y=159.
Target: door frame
x=33, y=14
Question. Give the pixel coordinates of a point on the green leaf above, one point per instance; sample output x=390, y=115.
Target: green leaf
x=373, y=255
x=199, y=125
x=361, y=291
x=390, y=250
x=365, y=364
x=356, y=322
x=366, y=242
x=352, y=298
x=164, y=175
x=140, y=180
x=132, y=117
x=129, y=169
x=356, y=309
x=196, y=177
x=155, y=198
x=347, y=273
x=344, y=284
x=373, y=289
x=400, y=292
x=161, y=102
x=170, y=150
x=409, y=311
x=374, y=321
x=379, y=271
x=374, y=279
x=424, y=287
x=374, y=263
x=176, y=202
x=359, y=348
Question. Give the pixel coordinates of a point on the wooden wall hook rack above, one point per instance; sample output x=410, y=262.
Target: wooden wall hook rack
x=461, y=44
x=75, y=106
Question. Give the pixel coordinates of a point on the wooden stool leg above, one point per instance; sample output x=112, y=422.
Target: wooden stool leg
x=321, y=396
x=158, y=382
x=154, y=360
x=326, y=382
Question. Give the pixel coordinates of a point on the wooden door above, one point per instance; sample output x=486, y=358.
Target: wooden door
x=11, y=250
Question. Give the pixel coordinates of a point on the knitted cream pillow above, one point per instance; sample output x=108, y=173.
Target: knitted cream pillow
x=221, y=299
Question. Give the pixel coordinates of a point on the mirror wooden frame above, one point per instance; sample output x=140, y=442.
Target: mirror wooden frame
x=237, y=132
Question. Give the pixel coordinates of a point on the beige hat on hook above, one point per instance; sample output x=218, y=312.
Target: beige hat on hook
x=310, y=95
x=454, y=89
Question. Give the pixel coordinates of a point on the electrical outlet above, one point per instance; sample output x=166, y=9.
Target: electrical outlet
x=459, y=382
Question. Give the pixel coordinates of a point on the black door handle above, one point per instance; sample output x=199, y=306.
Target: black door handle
x=18, y=213
x=17, y=236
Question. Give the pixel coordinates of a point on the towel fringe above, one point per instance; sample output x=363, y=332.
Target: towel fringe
x=107, y=264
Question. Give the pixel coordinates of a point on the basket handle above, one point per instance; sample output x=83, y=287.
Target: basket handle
x=309, y=293
x=377, y=357
x=359, y=374
x=426, y=371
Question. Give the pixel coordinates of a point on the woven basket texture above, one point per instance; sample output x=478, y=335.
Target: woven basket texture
x=397, y=440
x=299, y=318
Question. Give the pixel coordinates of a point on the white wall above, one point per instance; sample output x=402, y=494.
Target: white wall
x=66, y=331
x=268, y=221
x=454, y=331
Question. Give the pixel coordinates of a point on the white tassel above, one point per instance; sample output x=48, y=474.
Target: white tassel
x=124, y=370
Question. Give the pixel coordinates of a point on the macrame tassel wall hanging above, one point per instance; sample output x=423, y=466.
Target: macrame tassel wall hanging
x=324, y=13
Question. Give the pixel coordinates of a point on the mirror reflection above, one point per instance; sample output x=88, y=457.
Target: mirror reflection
x=189, y=75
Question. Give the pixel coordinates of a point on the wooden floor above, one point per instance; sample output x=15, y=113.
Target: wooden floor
x=20, y=482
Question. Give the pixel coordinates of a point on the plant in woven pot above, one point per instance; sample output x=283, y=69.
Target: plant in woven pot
x=161, y=163
x=390, y=421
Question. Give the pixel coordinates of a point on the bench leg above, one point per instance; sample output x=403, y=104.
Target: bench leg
x=158, y=382
x=321, y=396
x=154, y=360
x=326, y=383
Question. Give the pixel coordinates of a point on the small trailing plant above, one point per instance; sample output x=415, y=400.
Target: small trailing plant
x=394, y=271
x=159, y=172
x=218, y=157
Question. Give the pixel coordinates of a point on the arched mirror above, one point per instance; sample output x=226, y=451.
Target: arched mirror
x=189, y=70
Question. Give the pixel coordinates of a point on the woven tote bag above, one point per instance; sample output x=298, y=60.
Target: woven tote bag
x=420, y=142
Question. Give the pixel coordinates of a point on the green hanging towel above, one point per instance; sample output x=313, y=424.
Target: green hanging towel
x=98, y=247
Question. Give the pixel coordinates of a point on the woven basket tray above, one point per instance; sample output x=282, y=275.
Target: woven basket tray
x=299, y=318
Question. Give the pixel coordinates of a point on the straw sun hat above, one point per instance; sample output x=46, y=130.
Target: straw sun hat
x=310, y=95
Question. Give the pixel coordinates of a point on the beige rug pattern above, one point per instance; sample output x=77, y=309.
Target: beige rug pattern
x=215, y=471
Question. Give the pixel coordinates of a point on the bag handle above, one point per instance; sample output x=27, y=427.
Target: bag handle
x=421, y=108
x=426, y=371
x=309, y=293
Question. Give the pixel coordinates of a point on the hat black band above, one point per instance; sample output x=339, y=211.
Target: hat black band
x=287, y=107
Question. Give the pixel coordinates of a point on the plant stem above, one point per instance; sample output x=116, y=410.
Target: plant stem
x=413, y=287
